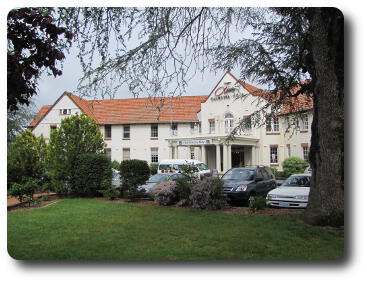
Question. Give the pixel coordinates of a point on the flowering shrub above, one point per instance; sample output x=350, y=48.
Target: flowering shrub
x=165, y=193
x=208, y=194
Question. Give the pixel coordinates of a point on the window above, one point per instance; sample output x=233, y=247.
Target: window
x=195, y=128
x=306, y=150
x=107, y=151
x=273, y=154
x=228, y=123
x=272, y=124
x=289, y=150
x=211, y=126
x=65, y=111
x=126, y=131
x=304, y=123
x=53, y=128
x=192, y=153
x=126, y=154
x=154, y=155
x=154, y=130
x=246, y=129
x=174, y=128
x=107, y=131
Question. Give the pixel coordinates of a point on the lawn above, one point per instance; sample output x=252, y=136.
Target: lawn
x=82, y=229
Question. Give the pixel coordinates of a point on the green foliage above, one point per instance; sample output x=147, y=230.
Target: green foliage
x=183, y=186
x=208, y=194
x=110, y=193
x=258, y=203
x=26, y=158
x=275, y=172
x=48, y=187
x=115, y=165
x=153, y=168
x=294, y=165
x=93, y=173
x=133, y=173
x=77, y=135
x=190, y=171
x=24, y=192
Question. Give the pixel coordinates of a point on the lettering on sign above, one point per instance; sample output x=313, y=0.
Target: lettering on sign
x=224, y=93
x=194, y=142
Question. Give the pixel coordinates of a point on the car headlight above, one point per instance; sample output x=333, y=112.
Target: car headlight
x=270, y=196
x=304, y=197
x=241, y=188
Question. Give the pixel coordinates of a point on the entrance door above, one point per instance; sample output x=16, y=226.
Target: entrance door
x=238, y=158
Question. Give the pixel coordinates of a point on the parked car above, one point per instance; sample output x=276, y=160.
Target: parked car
x=243, y=184
x=177, y=165
x=292, y=193
x=308, y=170
x=116, y=179
x=156, y=179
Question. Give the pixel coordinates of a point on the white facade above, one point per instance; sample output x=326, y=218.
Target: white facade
x=218, y=115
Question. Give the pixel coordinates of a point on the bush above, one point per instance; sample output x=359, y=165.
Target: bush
x=133, y=173
x=294, y=165
x=91, y=174
x=275, y=171
x=153, y=168
x=48, y=187
x=208, y=194
x=24, y=192
x=183, y=186
x=258, y=203
x=165, y=193
x=110, y=193
x=115, y=165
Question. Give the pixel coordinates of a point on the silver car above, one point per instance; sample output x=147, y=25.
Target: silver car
x=292, y=193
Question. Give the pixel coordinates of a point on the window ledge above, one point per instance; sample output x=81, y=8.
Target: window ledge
x=274, y=164
x=126, y=139
x=154, y=138
x=304, y=131
x=273, y=133
x=107, y=139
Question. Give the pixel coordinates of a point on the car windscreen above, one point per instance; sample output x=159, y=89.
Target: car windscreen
x=158, y=178
x=202, y=166
x=297, y=181
x=164, y=167
x=239, y=175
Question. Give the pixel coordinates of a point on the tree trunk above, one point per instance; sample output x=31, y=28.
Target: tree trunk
x=326, y=199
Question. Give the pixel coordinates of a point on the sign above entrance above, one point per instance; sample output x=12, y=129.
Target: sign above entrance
x=194, y=142
x=223, y=93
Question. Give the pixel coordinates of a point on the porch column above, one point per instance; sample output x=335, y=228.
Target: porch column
x=229, y=164
x=253, y=155
x=225, y=158
x=170, y=155
x=175, y=156
x=203, y=154
x=217, y=158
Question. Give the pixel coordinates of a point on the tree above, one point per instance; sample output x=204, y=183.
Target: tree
x=26, y=158
x=18, y=121
x=77, y=134
x=290, y=51
x=34, y=45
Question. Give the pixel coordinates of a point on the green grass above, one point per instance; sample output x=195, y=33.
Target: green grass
x=81, y=229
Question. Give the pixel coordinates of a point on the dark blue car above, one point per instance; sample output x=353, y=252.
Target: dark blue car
x=243, y=184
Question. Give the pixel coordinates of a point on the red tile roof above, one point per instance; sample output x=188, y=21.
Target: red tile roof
x=40, y=115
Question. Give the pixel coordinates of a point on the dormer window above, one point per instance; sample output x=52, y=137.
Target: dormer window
x=65, y=111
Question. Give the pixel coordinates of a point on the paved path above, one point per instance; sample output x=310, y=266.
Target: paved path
x=14, y=201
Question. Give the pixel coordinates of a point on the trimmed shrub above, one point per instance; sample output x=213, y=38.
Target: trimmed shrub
x=275, y=171
x=133, y=172
x=115, y=165
x=153, y=168
x=258, y=203
x=110, y=193
x=24, y=192
x=294, y=165
x=165, y=193
x=91, y=174
x=183, y=190
x=208, y=194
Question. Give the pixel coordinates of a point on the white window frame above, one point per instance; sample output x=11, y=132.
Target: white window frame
x=211, y=127
x=304, y=122
x=154, y=130
x=105, y=131
x=154, y=156
x=274, y=158
x=306, y=153
x=272, y=124
x=125, y=131
x=228, y=123
x=124, y=154
x=174, y=129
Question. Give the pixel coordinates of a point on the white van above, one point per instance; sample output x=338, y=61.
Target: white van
x=175, y=165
